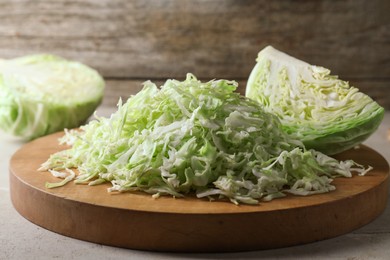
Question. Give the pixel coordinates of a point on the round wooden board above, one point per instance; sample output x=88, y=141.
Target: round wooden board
x=137, y=221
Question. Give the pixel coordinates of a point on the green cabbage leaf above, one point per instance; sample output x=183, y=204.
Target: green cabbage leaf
x=41, y=94
x=194, y=137
x=320, y=109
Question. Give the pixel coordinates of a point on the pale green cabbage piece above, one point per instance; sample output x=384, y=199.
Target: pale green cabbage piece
x=320, y=109
x=189, y=136
x=41, y=94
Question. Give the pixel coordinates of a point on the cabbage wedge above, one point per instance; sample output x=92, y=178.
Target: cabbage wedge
x=320, y=109
x=41, y=94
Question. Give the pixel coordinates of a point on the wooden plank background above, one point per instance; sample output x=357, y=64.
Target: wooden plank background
x=131, y=41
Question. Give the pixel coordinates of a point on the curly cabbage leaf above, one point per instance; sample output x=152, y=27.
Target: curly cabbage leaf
x=320, y=109
x=189, y=136
x=41, y=94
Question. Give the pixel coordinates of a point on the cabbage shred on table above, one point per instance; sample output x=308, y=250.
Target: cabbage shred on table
x=189, y=136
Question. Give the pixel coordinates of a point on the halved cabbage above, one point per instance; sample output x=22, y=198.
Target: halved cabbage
x=41, y=94
x=323, y=111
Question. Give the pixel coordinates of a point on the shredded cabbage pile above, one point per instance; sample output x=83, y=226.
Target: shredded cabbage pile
x=189, y=136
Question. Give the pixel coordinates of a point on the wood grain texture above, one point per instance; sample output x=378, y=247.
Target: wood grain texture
x=145, y=39
x=137, y=221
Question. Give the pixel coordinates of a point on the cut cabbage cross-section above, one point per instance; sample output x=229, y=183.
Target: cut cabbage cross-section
x=320, y=109
x=41, y=94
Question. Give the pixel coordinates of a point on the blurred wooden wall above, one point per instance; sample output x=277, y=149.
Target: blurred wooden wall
x=131, y=41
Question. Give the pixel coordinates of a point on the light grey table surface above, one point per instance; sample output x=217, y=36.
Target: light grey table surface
x=21, y=239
